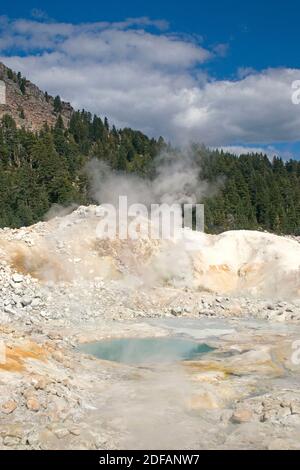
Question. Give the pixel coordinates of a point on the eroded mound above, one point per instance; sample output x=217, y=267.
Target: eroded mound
x=69, y=248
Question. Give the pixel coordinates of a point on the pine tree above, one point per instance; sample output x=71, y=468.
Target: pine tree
x=39, y=169
x=57, y=104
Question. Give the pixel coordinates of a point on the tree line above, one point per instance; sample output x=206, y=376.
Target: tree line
x=40, y=169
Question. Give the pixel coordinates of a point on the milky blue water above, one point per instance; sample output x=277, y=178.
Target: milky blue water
x=146, y=350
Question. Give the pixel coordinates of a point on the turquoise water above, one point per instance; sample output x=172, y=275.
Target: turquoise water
x=146, y=350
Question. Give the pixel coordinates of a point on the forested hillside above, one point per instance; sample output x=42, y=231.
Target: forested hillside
x=40, y=169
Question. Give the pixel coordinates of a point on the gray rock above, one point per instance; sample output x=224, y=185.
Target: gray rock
x=11, y=441
x=10, y=310
x=61, y=433
x=17, y=278
x=35, y=302
x=25, y=301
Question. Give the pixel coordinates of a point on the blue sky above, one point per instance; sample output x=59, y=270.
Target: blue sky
x=261, y=34
x=216, y=71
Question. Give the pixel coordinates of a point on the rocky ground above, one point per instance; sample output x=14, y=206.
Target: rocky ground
x=59, y=288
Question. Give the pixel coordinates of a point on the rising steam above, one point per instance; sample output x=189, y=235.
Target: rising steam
x=177, y=180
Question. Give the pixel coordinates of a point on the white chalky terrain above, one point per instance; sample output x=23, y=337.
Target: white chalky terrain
x=61, y=285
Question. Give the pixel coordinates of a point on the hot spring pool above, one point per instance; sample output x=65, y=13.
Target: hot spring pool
x=146, y=350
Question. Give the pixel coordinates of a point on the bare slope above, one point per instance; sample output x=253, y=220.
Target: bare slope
x=32, y=108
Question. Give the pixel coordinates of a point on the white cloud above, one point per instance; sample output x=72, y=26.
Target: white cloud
x=269, y=150
x=242, y=150
x=152, y=81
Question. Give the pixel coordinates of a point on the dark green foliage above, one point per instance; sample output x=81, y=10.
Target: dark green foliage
x=21, y=82
x=57, y=104
x=256, y=193
x=10, y=74
x=23, y=86
x=38, y=170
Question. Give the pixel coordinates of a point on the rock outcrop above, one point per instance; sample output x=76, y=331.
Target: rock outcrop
x=29, y=106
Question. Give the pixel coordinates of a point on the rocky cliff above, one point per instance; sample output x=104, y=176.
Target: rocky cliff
x=27, y=104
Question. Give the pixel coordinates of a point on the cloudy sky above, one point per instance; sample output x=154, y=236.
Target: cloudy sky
x=216, y=72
